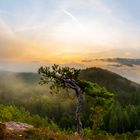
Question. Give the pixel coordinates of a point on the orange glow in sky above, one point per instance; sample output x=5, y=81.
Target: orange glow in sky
x=68, y=31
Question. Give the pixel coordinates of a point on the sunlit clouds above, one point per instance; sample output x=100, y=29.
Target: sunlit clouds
x=68, y=31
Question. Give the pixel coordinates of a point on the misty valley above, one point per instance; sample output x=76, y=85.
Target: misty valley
x=22, y=99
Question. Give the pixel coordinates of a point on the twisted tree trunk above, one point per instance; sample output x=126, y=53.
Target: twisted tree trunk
x=78, y=110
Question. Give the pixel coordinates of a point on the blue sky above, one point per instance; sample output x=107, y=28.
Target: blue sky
x=68, y=31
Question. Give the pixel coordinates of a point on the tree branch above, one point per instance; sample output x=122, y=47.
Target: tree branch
x=70, y=83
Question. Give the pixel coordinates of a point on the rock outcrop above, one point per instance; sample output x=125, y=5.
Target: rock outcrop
x=15, y=126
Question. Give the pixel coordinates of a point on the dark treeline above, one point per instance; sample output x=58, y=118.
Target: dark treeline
x=126, y=91
x=120, y=119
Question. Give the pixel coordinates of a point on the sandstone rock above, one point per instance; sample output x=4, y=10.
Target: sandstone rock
x=17, y=126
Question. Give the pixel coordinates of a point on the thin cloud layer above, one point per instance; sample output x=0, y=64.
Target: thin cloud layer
x=130, y=62
x=61, y=31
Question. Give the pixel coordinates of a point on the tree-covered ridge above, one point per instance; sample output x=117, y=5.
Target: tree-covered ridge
x=120, y=119
x=110, y=80
x=126, y=91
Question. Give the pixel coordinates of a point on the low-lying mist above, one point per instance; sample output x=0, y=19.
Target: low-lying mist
x=23, y=90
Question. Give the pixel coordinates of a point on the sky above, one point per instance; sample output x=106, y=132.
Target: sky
x=67, y=32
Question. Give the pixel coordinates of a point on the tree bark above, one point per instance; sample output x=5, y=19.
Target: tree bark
x=78, y=110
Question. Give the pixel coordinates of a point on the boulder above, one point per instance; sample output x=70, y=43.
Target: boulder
x=16, y=126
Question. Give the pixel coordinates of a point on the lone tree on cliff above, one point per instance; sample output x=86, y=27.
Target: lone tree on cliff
x=66, y=77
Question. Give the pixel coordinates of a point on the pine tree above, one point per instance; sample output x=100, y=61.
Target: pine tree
x=68, y=78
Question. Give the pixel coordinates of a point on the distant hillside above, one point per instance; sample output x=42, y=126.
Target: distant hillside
x=110, y=80
x=24, y=76
x=28, y=77
x=126, y=90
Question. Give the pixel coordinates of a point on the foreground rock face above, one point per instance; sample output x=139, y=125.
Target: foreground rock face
x=15, y=126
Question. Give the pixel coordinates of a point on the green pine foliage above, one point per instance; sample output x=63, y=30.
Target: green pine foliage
x=122, y=119
x=12, y=113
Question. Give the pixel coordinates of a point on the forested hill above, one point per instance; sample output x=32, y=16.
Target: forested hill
x=126, y=90
x=110, y=80
x=27, y=77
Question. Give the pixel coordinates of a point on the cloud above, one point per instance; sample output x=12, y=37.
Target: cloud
x=86, y=61
x=98, y=5
x=29, y=28
x=116, y=65
x=75, y=65
x=72, y=16
x=130, y=62
x=5, y=30
x=21, y=50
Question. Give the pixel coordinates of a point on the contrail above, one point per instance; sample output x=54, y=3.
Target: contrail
x=73, y=17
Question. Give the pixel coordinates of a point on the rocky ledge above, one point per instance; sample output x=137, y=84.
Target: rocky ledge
x=15, y=126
